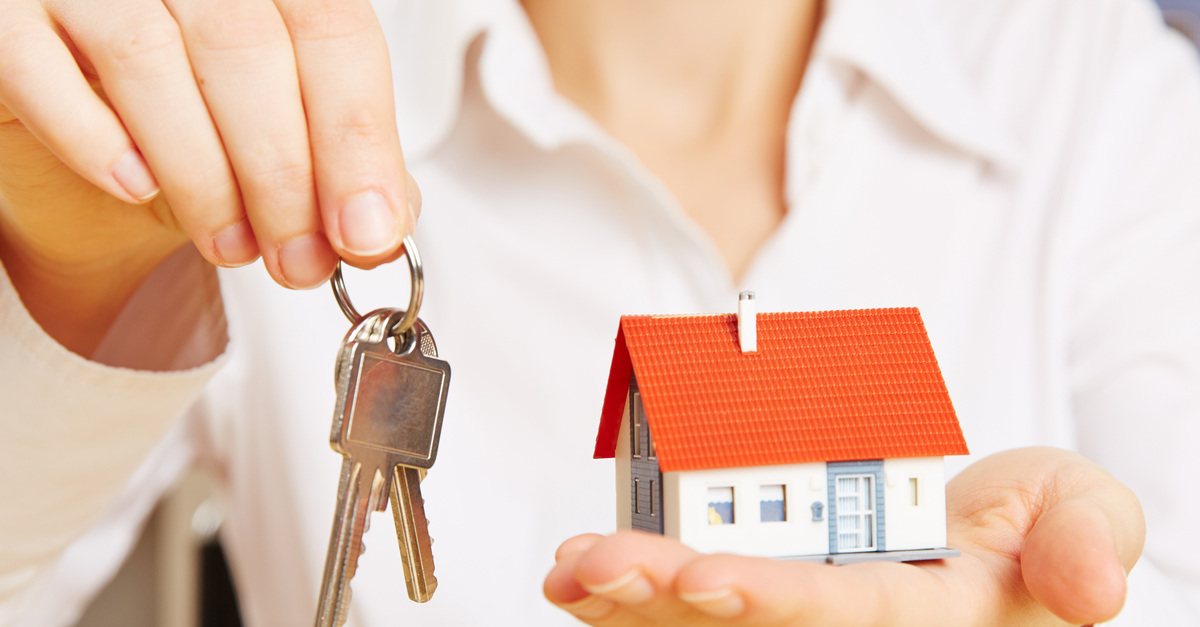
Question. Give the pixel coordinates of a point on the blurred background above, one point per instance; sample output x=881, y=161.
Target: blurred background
x=177, y=575
x=1184, y=16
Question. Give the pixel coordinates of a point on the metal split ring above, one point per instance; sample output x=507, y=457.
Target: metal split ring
x=416, y=292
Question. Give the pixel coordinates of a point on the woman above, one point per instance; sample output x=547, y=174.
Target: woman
x=1020, y=171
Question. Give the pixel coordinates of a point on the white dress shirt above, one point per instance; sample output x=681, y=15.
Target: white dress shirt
x=1023, y=171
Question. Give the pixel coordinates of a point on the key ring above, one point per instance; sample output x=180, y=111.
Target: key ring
x=416, y=292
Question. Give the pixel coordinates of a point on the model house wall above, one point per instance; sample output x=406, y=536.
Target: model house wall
x=624, y=475
x=912, y=515
x=642, y=503
x=915, y=494
x=688, y=494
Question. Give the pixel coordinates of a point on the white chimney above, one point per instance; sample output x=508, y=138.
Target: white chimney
x=747, y=323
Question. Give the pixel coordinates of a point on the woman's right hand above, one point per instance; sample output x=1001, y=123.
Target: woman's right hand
x=268, y=125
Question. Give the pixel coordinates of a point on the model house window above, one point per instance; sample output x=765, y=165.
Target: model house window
x=653, y=487
x=637, y=496
x=914, y=488
x=651, y=453
x=720, y=506
x=772, y=504
x=855, y=513
x=635, y=423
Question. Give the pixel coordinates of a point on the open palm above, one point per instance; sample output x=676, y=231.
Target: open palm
x=1046, y=538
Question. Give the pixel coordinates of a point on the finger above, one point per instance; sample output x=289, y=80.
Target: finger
x=242, y=56
x=754, y=591
x=635, y=572
x=41, y=85
x=1071, y=528
x=563, y=589
x=1087, y=538
x=1071, y=565
x=414, y=197
x=137, y=51
x=631, y=567
x=345, y=79
x=414, y=208
x=577, y=544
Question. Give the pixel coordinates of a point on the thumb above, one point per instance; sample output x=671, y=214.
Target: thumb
x=1089, y=535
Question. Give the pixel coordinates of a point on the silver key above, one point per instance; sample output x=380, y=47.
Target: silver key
x=387, y=424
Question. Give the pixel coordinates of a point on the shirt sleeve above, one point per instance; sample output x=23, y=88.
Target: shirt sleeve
x=1134, y=300
x=73, y=431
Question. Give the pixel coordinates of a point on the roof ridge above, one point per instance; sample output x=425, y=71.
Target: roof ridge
x=849, y=313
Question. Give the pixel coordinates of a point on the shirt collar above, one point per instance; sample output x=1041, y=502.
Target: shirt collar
x=902, y=48
x=427, y=44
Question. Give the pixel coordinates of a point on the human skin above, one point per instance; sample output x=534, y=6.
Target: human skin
x=129, y=128
x=1047, y=538
x=248, y=127
x=701, y=92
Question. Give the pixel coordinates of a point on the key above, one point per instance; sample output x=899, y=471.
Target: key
x=386, y=424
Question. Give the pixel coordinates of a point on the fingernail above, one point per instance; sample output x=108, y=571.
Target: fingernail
x=590, y=607
x=628, y=589
x=306, y=261
x=235, y=244
x=413, y=191
x=134, y=175
x=412, y=219
x=368, y=225
x=721, y=603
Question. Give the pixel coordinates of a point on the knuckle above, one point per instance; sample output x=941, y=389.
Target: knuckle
x=283, y=182
x=151, y=44
x=358, y=127
x=329, y=19
x=208, y=190
x=237, y=25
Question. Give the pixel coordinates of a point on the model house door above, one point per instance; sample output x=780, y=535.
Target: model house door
x=855, y=513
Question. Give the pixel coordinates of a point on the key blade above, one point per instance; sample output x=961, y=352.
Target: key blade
x=345, y=546
x=412, y=530
x=380, y=484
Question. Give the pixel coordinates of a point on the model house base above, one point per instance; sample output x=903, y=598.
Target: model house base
x=840, y=559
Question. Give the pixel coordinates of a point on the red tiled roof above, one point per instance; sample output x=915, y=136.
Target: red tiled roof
x=823, y=386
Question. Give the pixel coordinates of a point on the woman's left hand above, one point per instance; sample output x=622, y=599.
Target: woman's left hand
x=1047, y=538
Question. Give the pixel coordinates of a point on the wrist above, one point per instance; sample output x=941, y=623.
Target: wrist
x=75, y=300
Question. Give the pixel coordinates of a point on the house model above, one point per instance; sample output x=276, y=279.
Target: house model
x=815, y=435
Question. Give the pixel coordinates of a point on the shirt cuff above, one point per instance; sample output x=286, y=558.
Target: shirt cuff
x=72, y=431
